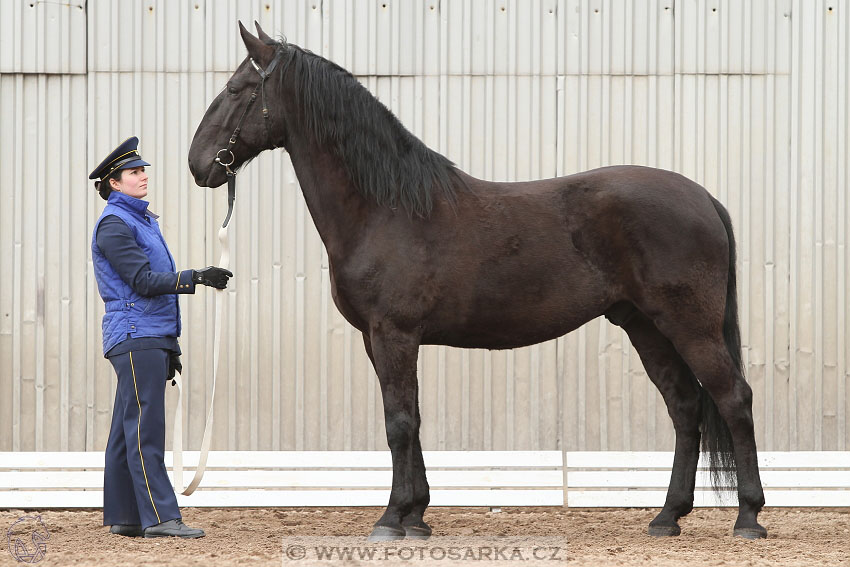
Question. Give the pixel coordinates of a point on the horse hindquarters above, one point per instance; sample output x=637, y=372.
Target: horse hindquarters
x=698, y=314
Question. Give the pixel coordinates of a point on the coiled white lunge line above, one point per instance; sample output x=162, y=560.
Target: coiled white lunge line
x=224, y=158
x=177, y=445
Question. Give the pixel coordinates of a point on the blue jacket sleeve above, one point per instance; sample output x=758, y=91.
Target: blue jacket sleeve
x=116, y=241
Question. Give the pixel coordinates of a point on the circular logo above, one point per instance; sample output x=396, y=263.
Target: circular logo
x=295, y=552
x=26, y=539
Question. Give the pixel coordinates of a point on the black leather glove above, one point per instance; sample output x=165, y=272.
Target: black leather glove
x=212, y=276
x=174, y=365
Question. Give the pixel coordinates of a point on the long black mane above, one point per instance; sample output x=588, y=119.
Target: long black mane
x=385, y=161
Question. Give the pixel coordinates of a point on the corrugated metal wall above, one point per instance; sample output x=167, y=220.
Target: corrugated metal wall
x=747, y=98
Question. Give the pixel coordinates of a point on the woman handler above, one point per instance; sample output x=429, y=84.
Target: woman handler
x=138, y=283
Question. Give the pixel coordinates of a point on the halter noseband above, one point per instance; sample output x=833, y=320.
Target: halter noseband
x=231, y=175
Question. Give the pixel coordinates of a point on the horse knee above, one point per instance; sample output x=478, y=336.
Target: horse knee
x=401, y=428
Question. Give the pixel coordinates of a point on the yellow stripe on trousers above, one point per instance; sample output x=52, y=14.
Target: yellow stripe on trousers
x=139, y=438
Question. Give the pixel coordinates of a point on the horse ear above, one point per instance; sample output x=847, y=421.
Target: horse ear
x=258, y=50
x=261, y=34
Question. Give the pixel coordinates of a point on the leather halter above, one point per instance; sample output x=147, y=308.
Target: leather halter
x=231, y=175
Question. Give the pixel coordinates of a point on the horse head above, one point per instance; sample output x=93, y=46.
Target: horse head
x=239, y=124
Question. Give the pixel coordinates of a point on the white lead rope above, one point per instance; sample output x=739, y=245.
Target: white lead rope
x=177, y=445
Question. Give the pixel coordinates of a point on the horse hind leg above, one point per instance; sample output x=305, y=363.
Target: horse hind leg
x=394, y=355
x=699, y=338
x=681, y=393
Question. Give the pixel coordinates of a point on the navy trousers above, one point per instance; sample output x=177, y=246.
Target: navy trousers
x=136, y=489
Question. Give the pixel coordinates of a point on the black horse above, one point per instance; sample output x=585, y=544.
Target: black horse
x=422, y=253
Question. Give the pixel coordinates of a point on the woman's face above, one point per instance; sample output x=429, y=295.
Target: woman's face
x=134, y=182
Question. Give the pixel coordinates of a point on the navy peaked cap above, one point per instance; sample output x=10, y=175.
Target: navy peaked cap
x=124, y=156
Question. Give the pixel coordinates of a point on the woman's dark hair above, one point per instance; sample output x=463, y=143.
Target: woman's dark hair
x=104, y=188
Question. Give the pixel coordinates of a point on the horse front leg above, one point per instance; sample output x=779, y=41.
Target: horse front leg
x=394, y=354
x=414, y=525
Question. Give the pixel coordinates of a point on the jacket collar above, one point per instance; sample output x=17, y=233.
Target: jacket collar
x=132, y=204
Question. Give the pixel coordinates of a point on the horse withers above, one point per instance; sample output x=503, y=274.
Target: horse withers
x=422, y=253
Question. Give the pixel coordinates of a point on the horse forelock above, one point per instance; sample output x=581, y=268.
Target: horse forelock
x=383, y=159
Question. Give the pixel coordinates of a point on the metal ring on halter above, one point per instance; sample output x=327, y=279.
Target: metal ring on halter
x=218, y=159
x=228, y=164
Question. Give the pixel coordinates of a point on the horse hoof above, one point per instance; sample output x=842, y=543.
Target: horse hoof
x=664, y=531
x=386, y=533
x=417, y=532
x=750, y=533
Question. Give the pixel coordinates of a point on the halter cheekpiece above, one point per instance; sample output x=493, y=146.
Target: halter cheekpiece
x=221, y=156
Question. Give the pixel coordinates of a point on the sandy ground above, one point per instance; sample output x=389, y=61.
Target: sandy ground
x=251, y=536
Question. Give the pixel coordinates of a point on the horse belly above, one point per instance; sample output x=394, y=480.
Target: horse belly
x=501, y=336
x=519, y=320
x=526, y=286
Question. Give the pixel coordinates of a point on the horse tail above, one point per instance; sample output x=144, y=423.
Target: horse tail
x=716, y=437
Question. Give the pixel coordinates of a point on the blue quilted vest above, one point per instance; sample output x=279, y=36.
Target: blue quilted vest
x=128, y=314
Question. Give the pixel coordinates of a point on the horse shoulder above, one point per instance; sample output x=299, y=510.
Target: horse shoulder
x=343, y=293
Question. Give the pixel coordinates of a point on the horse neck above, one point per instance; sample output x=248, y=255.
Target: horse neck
x=339, y=211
